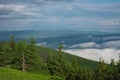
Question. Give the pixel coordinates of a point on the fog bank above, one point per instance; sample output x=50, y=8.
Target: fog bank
x=95, y=54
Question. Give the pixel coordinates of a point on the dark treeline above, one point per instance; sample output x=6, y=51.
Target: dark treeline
x=23, y=55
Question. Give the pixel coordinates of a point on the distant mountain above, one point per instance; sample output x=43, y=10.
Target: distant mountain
x=44, y=33
x=51, y=38
x=25, y=34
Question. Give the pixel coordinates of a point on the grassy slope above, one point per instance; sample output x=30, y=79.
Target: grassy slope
x=44, y=52
x=11, y=74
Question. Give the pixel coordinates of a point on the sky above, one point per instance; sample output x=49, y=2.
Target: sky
x=93, y=15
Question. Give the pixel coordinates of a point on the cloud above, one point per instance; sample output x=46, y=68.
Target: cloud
x=12, y=7
x=111, y=22
x=41, y=44
x=88, y=21
x=17, y=11
x=96, y=54
x=11, y=10
x=85, y=45
x=69, y=14
x=59, y=0
x=100, y=7
x=32, y=1
x=111, y=38
x=112, y=44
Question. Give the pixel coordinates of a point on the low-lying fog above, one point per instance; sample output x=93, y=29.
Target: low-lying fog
x=95, y=54
x=94, y=51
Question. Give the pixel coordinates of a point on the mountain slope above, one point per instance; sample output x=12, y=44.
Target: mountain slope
x=45, y=52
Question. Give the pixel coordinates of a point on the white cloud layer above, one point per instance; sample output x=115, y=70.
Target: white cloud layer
x=95, y=54
x=41, y=44
x=112, y=44
x=101, y=7
x=110, y=22
x=86, y=45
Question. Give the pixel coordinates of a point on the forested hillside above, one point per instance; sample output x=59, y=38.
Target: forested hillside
x=35, y=61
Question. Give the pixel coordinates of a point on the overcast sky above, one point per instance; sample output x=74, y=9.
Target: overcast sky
x=103, y=15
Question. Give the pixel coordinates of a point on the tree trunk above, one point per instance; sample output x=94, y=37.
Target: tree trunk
x=23, y=63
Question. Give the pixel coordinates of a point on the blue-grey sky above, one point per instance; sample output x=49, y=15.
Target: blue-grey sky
x=103, y=15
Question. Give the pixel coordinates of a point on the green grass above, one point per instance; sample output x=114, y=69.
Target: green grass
x=11, y=74
x=44, y=52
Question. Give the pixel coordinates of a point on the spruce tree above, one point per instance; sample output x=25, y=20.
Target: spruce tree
x=33, y=60
x=12, y=42
x=5, y=55
x=18, y=56
x=100, y=72
x=118, y=70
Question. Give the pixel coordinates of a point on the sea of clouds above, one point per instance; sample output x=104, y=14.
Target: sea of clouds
x=95, y=54
x=93, y=51
x=109, y=44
